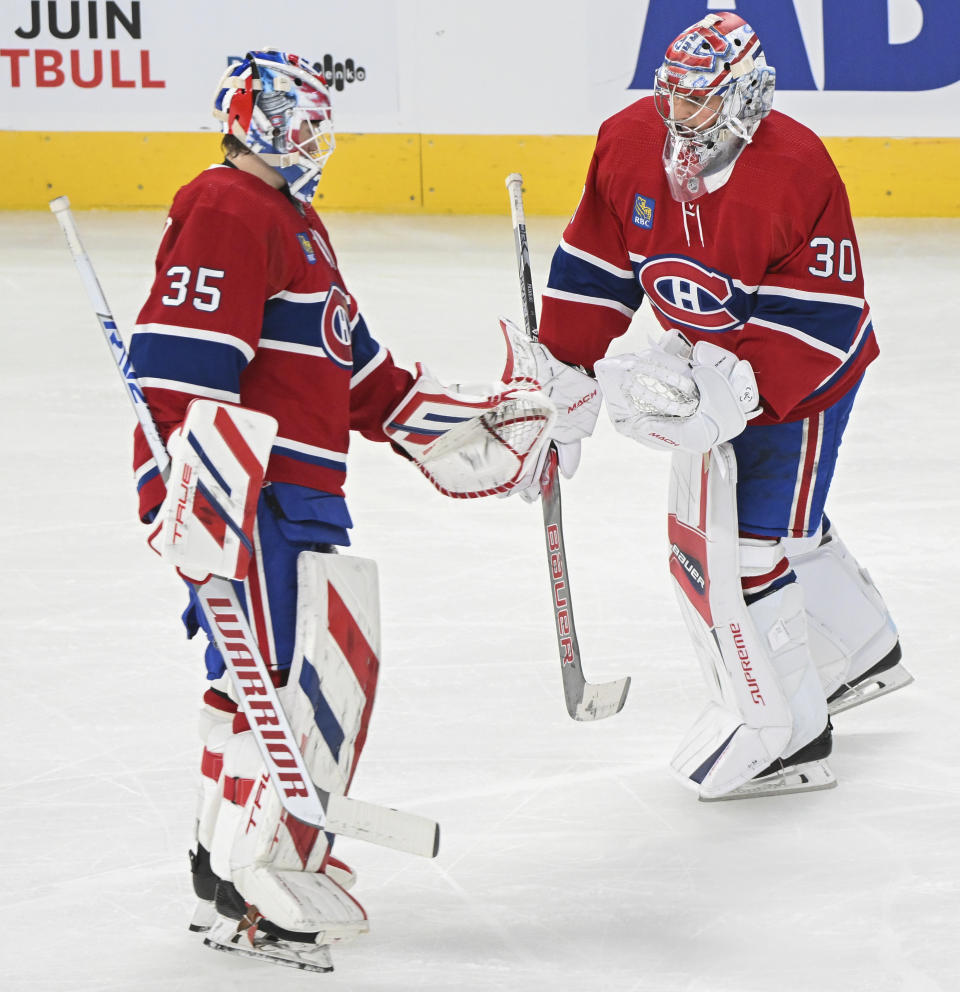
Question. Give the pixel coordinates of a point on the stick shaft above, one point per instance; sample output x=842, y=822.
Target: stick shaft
x=584, y=700
x=527, y=297
x=61, y=210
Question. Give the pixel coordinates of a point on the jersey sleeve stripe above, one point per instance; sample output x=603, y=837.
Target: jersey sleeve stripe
x=144, y=474
x=807, y=339
x=298, y=349
x=800, y=294
x=195, y=334
x=301, y=451
x=225, y=395
x=291, y=297
x=571, y=274
x=595, y=301
x=596, y=261
x=371, y=365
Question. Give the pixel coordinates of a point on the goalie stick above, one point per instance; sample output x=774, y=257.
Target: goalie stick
x=585, y=700
x=238, y=647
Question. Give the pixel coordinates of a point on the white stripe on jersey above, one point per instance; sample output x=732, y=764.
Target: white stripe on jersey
x=865, y=326
x=286, y=294
x=310, y=449
x=802, y=294
x=196, y=334
x=141, y=470
x=600, y=263
x=226, y=395
x=812, y=342
x=378, y=359
x=295, y=347
x=594, y=301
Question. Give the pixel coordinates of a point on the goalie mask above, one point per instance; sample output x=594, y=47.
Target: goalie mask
x=712, y=90
x=278, y=105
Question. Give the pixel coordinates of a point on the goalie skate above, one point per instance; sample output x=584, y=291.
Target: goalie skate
x=225, y=936
x=241, y=928
x=805, y=771
x=886, y=676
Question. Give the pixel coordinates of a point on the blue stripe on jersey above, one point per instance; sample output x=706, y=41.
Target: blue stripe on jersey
x=293, y=322
x=842, y=371
x=147, y=477
x=576, y=275
x=364, y=347
x=302, y=456
x=323, y=716
x=834, y=324
x=208, y=364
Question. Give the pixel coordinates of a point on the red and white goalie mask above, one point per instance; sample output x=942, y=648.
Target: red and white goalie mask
x=712, y=90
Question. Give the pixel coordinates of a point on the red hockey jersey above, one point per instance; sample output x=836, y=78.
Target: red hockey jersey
x=248, y=306
x=767, y=266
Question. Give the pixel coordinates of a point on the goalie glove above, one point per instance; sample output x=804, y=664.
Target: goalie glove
x=668, y=397
x=218, y=458
x=575, y=394
x=470, y=444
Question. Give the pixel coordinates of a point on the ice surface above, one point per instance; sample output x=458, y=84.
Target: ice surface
x=570, y=858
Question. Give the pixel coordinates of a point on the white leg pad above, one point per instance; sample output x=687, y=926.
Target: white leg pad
x=850, y=627
x=303, y=902
x=781, y=620
x=755, y=660
x=272, y=859
x=335, y=663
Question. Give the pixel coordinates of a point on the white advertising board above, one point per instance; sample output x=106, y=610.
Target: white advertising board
x=845, y=67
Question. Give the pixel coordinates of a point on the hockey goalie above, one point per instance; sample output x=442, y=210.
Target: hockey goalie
x=731, y=220
x=257, y=364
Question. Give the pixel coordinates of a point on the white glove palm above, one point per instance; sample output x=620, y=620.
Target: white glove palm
x=668, y=397
x=575, y=394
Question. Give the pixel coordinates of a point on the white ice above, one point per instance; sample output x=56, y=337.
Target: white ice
x=570, y=857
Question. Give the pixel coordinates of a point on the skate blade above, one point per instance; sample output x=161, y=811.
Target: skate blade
x=871, y=688
x=316, y=958
x=809, y=777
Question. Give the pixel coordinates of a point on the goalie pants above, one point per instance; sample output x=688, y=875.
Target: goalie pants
x=290, y=519
x=784, y=471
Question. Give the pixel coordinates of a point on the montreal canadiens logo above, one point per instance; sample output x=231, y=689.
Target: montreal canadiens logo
x=689, y=294
x=335, y=336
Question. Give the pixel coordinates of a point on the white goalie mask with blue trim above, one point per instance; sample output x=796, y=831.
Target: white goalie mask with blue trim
x=278, y=105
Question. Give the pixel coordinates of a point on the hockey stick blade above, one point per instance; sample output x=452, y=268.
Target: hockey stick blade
x=383, y=826
x=585, y=700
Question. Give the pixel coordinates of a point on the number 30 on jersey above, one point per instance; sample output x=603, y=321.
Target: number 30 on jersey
x=830, y=259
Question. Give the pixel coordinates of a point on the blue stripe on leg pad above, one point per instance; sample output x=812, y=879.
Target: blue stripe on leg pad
x=326, y=722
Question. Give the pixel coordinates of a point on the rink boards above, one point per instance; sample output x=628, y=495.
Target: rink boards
x=431, y=173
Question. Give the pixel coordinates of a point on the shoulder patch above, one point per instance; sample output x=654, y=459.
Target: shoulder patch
x=643, y=208
x=307, y=245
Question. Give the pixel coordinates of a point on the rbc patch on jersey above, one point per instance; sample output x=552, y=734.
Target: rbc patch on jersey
x=643, y=208
x=307, y=245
